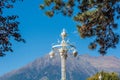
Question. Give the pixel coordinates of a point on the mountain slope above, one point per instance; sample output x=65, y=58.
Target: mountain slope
x=78, y=68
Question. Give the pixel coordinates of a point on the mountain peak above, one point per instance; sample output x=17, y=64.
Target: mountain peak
x=79, y=67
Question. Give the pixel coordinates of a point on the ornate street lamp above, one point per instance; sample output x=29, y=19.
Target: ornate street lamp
x=63, y=49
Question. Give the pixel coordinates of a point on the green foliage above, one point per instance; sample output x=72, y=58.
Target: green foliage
x=95, y=19
x=8, y=27
x=49, y=13
x=105, y=76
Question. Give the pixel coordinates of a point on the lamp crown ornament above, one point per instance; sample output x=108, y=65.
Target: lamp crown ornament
x=63, y=34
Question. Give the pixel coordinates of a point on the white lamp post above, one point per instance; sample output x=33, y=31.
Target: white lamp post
x=100, y=77
x=63, y=48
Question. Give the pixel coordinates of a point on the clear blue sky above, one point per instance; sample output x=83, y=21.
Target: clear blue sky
x=41, y=32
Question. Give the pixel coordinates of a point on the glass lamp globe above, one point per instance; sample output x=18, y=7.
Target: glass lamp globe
x=51, y=54
x=75, y=53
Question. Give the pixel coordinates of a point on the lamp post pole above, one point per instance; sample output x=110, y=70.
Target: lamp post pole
x=63, y=68
x=63, y=48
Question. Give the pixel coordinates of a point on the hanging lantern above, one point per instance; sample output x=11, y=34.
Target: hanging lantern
x=52, y=54
x=75, y=53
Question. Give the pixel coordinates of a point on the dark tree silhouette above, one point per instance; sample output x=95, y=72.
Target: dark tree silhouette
x=95, y=18
x=8, y=27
